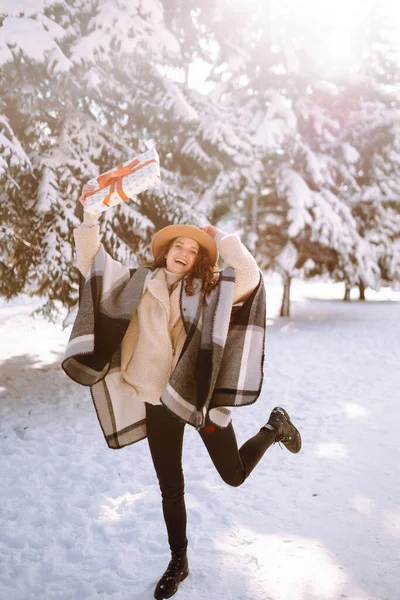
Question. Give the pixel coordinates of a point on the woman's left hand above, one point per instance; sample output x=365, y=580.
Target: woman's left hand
x=210, y=230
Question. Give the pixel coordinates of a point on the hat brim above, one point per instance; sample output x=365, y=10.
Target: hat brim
x=165, y=235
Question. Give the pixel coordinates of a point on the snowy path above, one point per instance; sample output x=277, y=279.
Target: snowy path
x=81, y=522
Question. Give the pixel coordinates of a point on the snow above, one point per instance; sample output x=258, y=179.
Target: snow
x=287, y=259
x=10, y=148
x=26, y=7
x=299, y=197
x=81, y=522
x=175, y=101
x=328, y=87
x=36, y=40
x=351, y=155
x=278, y=122
x=137, y=27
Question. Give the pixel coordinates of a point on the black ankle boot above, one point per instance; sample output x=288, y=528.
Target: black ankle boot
x=177, y=571
x=284, y=429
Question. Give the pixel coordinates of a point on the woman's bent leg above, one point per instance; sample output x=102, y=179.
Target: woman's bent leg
x=165, y=437
x=232, y=464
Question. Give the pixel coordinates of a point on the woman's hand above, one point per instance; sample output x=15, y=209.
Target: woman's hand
x=88, y=220
x=210, y=230
x=86, y=190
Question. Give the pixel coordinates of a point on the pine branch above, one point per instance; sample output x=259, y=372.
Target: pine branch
x=10, y=232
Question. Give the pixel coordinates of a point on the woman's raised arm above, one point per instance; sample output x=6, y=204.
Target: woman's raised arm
x=236, y=255
x=87, y=240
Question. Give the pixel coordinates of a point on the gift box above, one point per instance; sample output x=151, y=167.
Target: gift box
x=123, y=182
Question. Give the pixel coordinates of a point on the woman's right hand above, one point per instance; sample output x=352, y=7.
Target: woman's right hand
x=88, y=220
x=86, y=190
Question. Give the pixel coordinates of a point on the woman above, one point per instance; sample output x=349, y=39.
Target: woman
x=173, y=344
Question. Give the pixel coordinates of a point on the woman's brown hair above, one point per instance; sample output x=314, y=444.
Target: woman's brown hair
x=202, y=269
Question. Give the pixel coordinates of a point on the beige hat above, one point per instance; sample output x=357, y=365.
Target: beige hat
x=171, y=232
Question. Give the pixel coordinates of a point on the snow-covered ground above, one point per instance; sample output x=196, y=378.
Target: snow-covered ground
x=79, y=521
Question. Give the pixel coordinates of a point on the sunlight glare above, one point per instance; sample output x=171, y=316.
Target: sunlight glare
x=391, y=521
x=116, y=508
x=332, y=450
x=353, y=410
x=342, y=25
x=310, y=570
x=362, y=504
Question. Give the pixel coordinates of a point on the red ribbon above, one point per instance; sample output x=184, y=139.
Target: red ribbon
x=114, y=179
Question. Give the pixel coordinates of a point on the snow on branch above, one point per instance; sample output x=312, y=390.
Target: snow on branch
x=11, y=151
x=133, y=27
x=34, y=39
x=272, y=126
x=293, y=188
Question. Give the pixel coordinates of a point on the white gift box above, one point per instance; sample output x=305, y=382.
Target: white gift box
x=123, y=182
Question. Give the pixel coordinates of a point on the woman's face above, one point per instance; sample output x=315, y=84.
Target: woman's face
x=182, y=255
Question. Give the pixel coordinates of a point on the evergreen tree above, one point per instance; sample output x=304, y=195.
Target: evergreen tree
x=306, y=164
x=291, y=196
x=299, y=200
x=85, y=86
x=373, y=128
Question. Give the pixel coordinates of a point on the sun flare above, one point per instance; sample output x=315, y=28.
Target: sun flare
x=336, y=33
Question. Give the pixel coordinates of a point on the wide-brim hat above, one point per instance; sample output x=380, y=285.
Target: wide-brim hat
x=165, y=235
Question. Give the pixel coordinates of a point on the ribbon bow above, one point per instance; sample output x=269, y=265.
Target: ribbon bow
x=114, y=179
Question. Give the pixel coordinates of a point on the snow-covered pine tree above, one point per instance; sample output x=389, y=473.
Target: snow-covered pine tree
x=291, y=197
x=373, y=128
x=85, y=86
x=13, y=247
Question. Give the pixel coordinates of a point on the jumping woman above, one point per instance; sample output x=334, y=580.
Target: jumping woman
x=174, y=343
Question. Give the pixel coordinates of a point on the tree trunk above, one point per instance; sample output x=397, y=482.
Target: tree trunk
x=361, y=287
x=285, y=306
x=347, y=293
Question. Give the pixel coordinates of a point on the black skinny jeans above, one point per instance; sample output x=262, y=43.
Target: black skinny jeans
x=165, y=437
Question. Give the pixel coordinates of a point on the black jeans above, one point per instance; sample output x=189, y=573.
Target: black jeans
x=165, y=437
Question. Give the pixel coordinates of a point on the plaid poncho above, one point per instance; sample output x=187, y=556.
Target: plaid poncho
x=221, y=364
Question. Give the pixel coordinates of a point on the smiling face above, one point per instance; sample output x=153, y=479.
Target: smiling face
x=182, y=255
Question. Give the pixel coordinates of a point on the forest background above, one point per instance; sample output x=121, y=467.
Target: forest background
x=277, y=120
